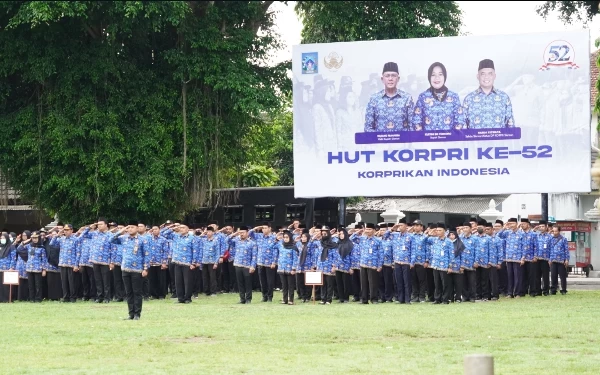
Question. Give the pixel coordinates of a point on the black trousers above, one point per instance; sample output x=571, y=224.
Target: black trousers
x=386, y=286
x=35, y=286
x=543, y=277
x=196, y=281
x=327, y=289
x=209, y=279
x=267, y=281
x=77, y=280
x=118, y=280
x=304, y=292
x=157, y=280
x=53, y=283
x=356, y=284
x=403, y=287
x=529, y=277
x=442, y=286
x=503, y=279
x=482, y=282
x=228, y=275
x=514, y=278
x=558, y=269
x=494, y=271
x=455, y=286
x=244, y=281
x=69, y=292
x=343, y=280
x=6, y=293
x=102, y=277
x=429, y=272
x=470, y=285
x=182, y=283
x=23, y=289
x=288, y=286
x=418, y=283
x=133, y=292
x=219, y=276
x=172, y=278
x=88, y=282
x=369, y=280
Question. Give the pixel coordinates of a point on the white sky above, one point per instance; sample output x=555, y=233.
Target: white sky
x=479, y=18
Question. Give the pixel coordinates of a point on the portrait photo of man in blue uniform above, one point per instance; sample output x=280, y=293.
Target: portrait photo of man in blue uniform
x=390, y=109
x=488, y=107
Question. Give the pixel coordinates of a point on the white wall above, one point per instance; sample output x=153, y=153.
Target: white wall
x=565, y=206
x=512, y=206
x=593, y=129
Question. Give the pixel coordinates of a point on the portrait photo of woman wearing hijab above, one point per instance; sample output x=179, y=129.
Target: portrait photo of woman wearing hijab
x=438, y=108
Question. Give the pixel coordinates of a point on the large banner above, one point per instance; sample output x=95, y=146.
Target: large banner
x=443, y=116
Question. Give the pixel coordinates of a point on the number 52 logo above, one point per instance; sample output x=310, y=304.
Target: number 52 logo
x=559, y=53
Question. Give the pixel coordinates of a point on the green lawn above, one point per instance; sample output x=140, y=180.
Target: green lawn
x=545, y=335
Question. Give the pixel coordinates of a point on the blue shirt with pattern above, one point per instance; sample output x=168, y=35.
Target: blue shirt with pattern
x=246, y=253
x=345, y=264
x=22, y=268
x=184, y=248
x=488, y=111
x=559, y=249
x=159, y=250
x=484, y=247
x=101, y=247
x=332, y=259
x=497, y=250
x=441, y=252
x=135, y=252
x=468, y=255
x=266, y=255
x=37, y=259
x=116, y=256
x=287, y=259
x=371, y=251
x=70, y=254
x=530, y=242
x=431, y=113
x=455, y=264
x=418, y=249
x=513, y=244
x=10, y=261
x=210, y=250
x=84, y=250
x=542, y=251
x=389, y=113
x=401, y=245
x=307, y=265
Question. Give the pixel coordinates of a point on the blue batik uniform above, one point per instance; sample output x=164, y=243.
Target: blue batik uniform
x=223, y=243
x=287, y=259
x=22, y=268
x=389, y=114
x=488, y=111
x=401, y=244
x=333, y=258
x=116, y=256
x=371, y=251
x=37, y=259
x=159, y=250
x=388, y=257
x=418, y=249
x=497, y=251
x=246, y=253
x=484, y=247
x=355, y=254
x=184, y=249
x=455, y=261
x=210, y=250
x=559, y=249
x=468, y=255
x=308, y=265
x=84, y=250
x=441, y=252
x=10, y=261
x=266, y=256
x=542, y=250
x=101, y=247
x=70, y=254
x=231, y=247
x=529, y=245
x=433, y=112
x=136, y=254
x=345, y=264
x=514, y=245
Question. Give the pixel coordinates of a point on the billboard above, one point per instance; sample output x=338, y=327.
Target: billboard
x=443, y=116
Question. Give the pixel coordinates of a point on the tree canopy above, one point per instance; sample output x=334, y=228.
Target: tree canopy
x=132, y=109
x=570, y=11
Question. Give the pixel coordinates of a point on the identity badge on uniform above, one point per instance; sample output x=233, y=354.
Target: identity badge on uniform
x=370, y=250
x=442, y=253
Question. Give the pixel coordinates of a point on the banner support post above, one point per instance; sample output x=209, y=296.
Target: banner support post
x=342, y=212
x=545, y=206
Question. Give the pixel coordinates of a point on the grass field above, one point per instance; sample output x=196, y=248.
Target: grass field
x=545, y=335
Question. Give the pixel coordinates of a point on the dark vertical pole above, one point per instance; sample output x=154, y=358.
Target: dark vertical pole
x=545, y=206
x=342, y=212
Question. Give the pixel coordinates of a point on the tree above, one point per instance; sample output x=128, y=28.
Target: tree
x=259, y=176
x=132, y=109
x=344, y=21
x=570, y=11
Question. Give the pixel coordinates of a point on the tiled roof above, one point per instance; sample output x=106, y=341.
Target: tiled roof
x=593, y=78
x=468, y=205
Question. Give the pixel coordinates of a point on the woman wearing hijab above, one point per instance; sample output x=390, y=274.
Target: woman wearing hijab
x=8, y=262
x=326, y=261
x=305, y=263
x=437, y=107
x=23, y=290
x=287, y=263
x=37, y=262
x=53, y=278
x=344, y=271
x=455, y=270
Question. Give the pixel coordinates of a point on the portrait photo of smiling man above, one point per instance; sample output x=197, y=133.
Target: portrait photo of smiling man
x=487, y=107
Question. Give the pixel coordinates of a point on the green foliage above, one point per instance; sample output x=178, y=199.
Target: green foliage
x=343, y=21
x=570, y=11
x=259, y=176
x=132, y=109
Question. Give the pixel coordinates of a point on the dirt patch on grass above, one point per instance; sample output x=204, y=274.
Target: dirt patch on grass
x=193, y=340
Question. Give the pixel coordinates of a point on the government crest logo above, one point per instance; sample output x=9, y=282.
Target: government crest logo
x=310, y=63
x=559, y=53
x=333, y=61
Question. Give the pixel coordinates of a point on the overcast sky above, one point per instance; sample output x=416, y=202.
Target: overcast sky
x=479, y=18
